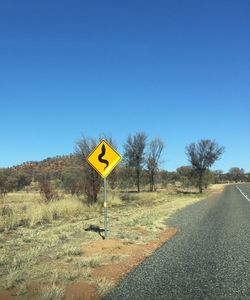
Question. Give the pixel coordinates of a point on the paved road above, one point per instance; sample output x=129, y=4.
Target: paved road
x=208, y=259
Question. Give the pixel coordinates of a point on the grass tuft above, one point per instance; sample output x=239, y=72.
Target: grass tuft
x=50, y=292
x=103, y=286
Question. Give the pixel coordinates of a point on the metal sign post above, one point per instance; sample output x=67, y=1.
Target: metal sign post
x=103, y=159
x=105, y=210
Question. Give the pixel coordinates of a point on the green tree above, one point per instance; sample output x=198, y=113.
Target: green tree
x=236, y=174
x=202, y=156
x=73, y=180
x=187, y=176
x=126, y=177
x=218, y=176
x=134, y=155
x=92, y=180
x=3, y=183
x=208, y=178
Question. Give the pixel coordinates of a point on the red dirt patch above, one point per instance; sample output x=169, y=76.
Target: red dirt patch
x=137, y=253
x=110, y=247
x=116, y=246
x=6, y=295
x=138, y=230
x=116, y=272
x=167, y=234
x=81, y=291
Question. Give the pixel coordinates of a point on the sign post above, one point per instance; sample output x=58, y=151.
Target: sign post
x=105, y=209
x=103, y=159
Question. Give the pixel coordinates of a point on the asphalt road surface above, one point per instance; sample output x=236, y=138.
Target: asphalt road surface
x=208, y=259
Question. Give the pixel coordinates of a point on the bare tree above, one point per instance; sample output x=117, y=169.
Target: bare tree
x=202, y=156
x=153, y=156
x=134, y=155
x=92, y=180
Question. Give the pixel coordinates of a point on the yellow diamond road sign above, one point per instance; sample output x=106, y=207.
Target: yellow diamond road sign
x=104, y=158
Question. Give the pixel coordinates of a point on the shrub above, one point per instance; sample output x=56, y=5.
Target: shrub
x=73, y=181
x=6, y=211
x=47, y=190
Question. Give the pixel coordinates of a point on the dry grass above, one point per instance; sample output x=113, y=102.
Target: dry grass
x=43, y=243
x=51, y=292
x=23, y=209
x=103, y=286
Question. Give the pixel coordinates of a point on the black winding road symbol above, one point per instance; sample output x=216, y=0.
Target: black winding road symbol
x=100, y=157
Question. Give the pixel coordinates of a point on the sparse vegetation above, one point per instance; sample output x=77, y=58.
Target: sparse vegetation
x=45, y=208
x=47, y=190
x=50, y=292
x=48, y=246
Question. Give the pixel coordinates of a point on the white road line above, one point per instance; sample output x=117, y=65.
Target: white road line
x=243, y=193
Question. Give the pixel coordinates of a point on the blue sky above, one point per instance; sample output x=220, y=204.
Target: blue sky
x=175, y=69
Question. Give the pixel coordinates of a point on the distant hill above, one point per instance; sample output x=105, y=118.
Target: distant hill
x=48, y=165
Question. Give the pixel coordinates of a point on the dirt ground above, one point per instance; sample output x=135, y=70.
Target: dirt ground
x=81, y=291
x=6, y=295
x=133, y=255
